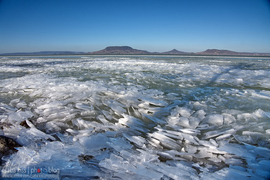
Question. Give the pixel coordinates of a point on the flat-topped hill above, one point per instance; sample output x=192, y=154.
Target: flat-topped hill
x=120, y=50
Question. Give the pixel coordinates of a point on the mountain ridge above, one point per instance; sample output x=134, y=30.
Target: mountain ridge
x=115, y=50
x=127, y=50
x=175, y=51
x=218, y=52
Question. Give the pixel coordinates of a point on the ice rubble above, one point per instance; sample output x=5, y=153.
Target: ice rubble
x=138, y=119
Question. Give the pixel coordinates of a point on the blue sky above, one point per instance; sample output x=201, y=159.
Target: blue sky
x=153, y=25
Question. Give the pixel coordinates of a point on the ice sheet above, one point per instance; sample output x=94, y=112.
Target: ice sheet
x=138, y=117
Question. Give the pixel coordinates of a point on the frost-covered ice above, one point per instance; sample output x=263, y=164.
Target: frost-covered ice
x=138, y=117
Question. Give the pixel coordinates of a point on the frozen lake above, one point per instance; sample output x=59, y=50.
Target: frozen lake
x=137, y=117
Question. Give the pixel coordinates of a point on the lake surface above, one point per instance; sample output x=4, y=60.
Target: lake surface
x=137, y=117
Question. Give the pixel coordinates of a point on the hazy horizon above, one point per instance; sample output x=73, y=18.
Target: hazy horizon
x=70, y=51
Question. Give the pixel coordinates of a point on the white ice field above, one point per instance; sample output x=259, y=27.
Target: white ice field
x=138, y=117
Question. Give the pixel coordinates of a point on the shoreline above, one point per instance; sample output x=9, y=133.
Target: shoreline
x=176, y=55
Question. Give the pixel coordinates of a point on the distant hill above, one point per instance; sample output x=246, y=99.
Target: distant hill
x=218, y=52
x=229, y=53
x=127, y=50
x=174, y=51
x=116, y=50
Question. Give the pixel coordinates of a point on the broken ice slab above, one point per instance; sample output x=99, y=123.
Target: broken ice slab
x=54, y=126
x=116, y=106
x=7, y=108
x=191, y=122
x=225, y=174
x=164, y=156
x=191, y=149
x=81, y=133
x=150, y=101
x=208, y=152
x=224, y=136
x=19, y=116
x=194, y=122
x=265, y=165
x=132, y=156
x=176, y=171
x=184, y=112
x=102, y=119
x=203, y=153
x=190, y=131
x=200, y=114
x=147, y=173
x=133, y=123
x=262, y=151
x=210, y=144
x=60, y=116
x=179, y=131
x=228, y=118
x=156, y=120
x=169, y=133
x=154, y=142
x=94, y=142
x=116, y=163
x=88, y=113
x=211, y=134
x=261, y=114
x=263, y=173
x=176, y=135
x=18, y=103
x=134, y=112
x=146, y=156
x=32, y=134
x=49, y=105
x=134, y=170
x=249, y=133
x=214, y=119
x=184, y=122
x=246, y=117
x=130, y=120
x=107, y=114
x=189, y=139
x=173, y=121
x=23, y=156
x=83, y=124
x=84, y=106
x=73, y=132
x=165, y=140
x=238, y=150
x=119, y=144
x=138, y=140
x=260, y=94
x=234, y=161
x=28, y=136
